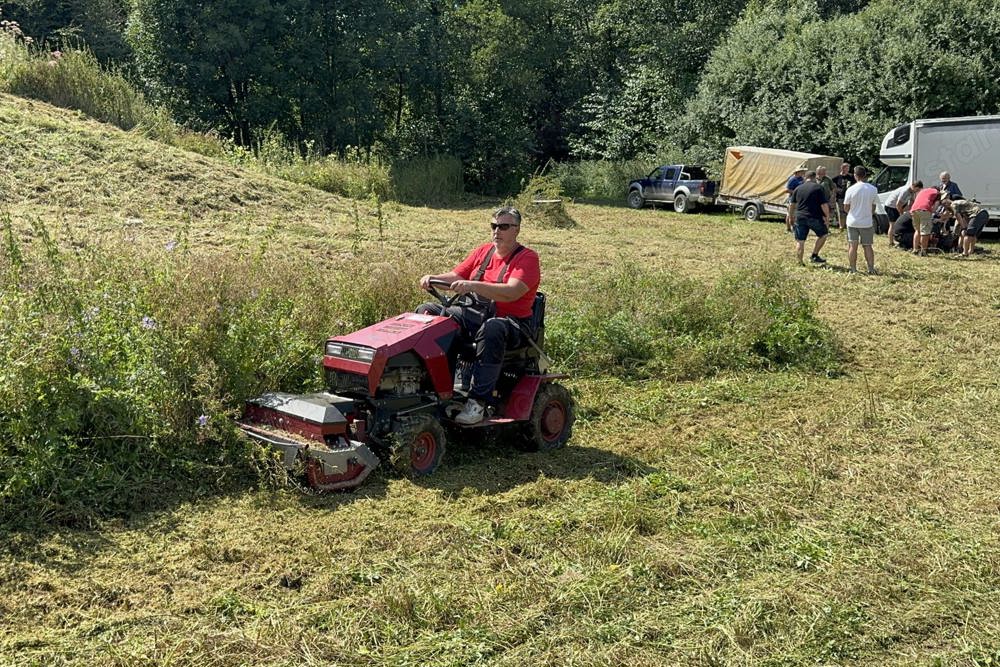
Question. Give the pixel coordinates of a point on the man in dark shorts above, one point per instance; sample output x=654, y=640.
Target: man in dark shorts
x=794, y=181
x=810, y=210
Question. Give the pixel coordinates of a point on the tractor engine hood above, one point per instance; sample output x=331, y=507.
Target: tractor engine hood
x=366, y=352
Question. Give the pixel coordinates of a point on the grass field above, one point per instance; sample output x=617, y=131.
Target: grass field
x=746, y=518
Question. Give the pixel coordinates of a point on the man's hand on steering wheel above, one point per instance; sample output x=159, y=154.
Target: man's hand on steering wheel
x=461, y=287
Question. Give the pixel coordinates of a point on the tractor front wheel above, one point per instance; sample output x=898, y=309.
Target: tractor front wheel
x=551, y=421
x=420, y=446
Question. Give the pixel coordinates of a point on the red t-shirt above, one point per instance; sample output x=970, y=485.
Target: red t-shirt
x=524, y=267
x=925, y=200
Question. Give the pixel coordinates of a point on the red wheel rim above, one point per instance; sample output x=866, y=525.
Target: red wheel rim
x=423, y=450
x=553, y=420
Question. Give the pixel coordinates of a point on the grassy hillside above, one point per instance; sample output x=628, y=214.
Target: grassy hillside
x=745, y=517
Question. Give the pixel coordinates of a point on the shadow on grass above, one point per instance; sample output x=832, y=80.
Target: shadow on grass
x=468, y=202
x=497, y=465
x=488, y=466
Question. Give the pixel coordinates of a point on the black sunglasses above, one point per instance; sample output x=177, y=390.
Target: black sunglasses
x=502, y=226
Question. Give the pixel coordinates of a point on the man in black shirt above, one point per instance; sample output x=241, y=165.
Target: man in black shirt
x=902, y=231
x=841, y=182
x=810, y=210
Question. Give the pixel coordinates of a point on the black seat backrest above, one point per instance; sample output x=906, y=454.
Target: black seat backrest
x=538, y=319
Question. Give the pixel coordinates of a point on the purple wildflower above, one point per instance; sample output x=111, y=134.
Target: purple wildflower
x=147, y=322
x=74, y=352
x=202, y=420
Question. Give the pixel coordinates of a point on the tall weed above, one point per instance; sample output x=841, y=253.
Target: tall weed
x=75, y=80
x=120, y=371
x=357, y=175
x=599, y=180
x=641, y=323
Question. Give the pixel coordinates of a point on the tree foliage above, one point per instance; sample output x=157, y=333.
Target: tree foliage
x=784, y=77
x=98, y=24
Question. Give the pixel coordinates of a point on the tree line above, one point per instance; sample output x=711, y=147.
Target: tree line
x=506, y=85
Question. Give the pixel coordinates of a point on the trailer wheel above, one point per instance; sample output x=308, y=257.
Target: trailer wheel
x=551, y=421
x=420, y=446
x=751, y=212
x=635, y=199
x=681, y=203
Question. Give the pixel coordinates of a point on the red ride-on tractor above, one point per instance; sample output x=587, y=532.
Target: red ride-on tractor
x=390, y=396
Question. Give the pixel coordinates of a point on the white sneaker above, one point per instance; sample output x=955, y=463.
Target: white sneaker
x=472, y=413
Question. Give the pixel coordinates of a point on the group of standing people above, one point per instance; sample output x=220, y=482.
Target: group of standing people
x=815, y=199
x=918, y=216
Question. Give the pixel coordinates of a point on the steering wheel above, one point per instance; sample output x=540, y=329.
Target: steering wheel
x=467, y=299
x=445, y=301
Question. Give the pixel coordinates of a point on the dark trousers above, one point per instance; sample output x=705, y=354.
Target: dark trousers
x=492, y=336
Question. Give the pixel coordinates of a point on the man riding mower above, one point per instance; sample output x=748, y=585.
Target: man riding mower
x=391, y=387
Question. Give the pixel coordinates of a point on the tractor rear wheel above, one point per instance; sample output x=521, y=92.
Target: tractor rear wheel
x=551, y=421
x=420, y=446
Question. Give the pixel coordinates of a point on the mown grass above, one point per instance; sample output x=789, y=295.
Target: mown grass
x=762, y=514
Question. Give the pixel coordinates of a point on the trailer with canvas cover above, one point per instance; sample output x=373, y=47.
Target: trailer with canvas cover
x=754, y=178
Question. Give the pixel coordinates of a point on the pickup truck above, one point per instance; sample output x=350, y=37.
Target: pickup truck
x=685, y=186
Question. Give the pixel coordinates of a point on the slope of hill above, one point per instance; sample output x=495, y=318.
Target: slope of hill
x=97, y=179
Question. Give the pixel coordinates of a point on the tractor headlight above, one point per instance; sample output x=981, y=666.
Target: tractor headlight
x=352, y=352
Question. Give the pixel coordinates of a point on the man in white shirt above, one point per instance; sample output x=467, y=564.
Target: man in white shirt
x=859, y=202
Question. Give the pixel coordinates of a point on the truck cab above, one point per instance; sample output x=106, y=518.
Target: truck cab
x=683, y=186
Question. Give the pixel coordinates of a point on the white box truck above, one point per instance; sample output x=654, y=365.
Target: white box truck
x=754, y=178
x=968, y=148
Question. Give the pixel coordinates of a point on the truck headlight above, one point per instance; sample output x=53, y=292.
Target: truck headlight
x=352, y=352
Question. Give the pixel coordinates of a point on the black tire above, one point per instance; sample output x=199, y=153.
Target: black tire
x=751, y=212
x=681, y=203
x=635, y=199
x=420, y=446
x=551, y=423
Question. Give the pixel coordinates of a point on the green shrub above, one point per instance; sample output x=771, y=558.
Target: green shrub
x=357, y=175
x=641, y=324
x=600, y=180
x=120, y=371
